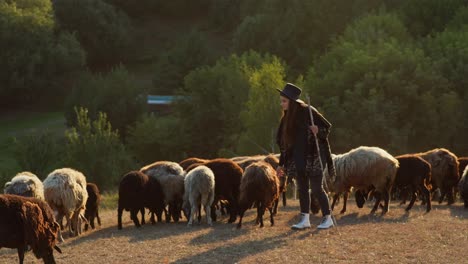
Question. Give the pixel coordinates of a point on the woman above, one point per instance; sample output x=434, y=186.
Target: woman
x=296, y=138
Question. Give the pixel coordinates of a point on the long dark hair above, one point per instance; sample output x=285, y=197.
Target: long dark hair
x=289, y=122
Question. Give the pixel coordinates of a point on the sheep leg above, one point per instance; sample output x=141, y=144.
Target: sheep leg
x=345, y=201
x=119, y=217
x=213, y=212
x=193, y=213
x=450, y=196
x=159, y=213
x=199, y=213
x=134, y=217
x=377, y=197
x=97, y=216
x=413, y=199
x=335, y=198
x=427, y=196
x=284, y=199
x=272, y=221
x=233, y=209
x=21, y=255
x=262, y=211
x=275, y=206
x=241, y=215
x=142, y=211
x=386, y=196
x=208, y=214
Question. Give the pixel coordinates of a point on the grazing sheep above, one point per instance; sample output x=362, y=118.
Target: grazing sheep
x=92, y=205
x=132, y=189
x=463, y=187
x=187, y=162
x=65, y=191
x=228, y=176
x=171, y=177
x=364, y=168
x=414, y=173
x=25, y=184
x=445, y=175
x=28, y=222
x=259, y=186
x=199, y=190
x=271, y=159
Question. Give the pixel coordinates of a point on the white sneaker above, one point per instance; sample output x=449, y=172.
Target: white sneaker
x=303, y=224
x=327, y=222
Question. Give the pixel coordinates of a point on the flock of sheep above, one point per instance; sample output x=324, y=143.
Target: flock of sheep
x=32, y=211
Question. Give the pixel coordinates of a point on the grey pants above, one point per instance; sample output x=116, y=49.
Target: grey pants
x=312, y=176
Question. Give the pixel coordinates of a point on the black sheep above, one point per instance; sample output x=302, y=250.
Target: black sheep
x=92, y=205
x=132, y=197
x=414, y=174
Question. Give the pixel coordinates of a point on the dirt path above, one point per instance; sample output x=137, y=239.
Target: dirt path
x=438, y=237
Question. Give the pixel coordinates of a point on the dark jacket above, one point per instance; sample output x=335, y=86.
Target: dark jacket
x=303, y=144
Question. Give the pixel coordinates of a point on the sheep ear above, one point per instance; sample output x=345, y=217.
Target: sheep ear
x=58, y=249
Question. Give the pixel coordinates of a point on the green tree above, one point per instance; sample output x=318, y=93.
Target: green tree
x=34, y=59
x=103, y=30
x=187, y=53
x=114, y=94
x=215, y=97
x=262, y=112
x=96, y=150
x=378, y=88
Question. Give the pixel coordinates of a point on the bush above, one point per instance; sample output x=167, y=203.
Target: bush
x=114, y=94
x=156, y=138
x=103, y=30
x=39, y=152
x=96, y=150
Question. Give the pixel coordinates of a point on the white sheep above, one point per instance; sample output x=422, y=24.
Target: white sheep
x=199, y=191
x=171, y=177
x=25, y=184
x=65, y=191
x=364, y=168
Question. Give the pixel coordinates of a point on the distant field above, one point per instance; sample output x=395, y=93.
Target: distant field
x=21, y=123
x=440, y=236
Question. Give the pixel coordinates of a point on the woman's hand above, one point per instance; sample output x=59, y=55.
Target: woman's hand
x=314, y=129
x=280, y=171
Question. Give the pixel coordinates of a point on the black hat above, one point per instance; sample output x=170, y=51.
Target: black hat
x=292, y=92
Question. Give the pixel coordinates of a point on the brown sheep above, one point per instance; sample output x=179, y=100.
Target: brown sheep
x=28, y=222
x=444, y=171
x=259, y=186
x=228, y=176
x=271, y=159
x=187, y=162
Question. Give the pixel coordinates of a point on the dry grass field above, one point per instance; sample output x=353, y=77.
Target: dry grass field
x=440, y=236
